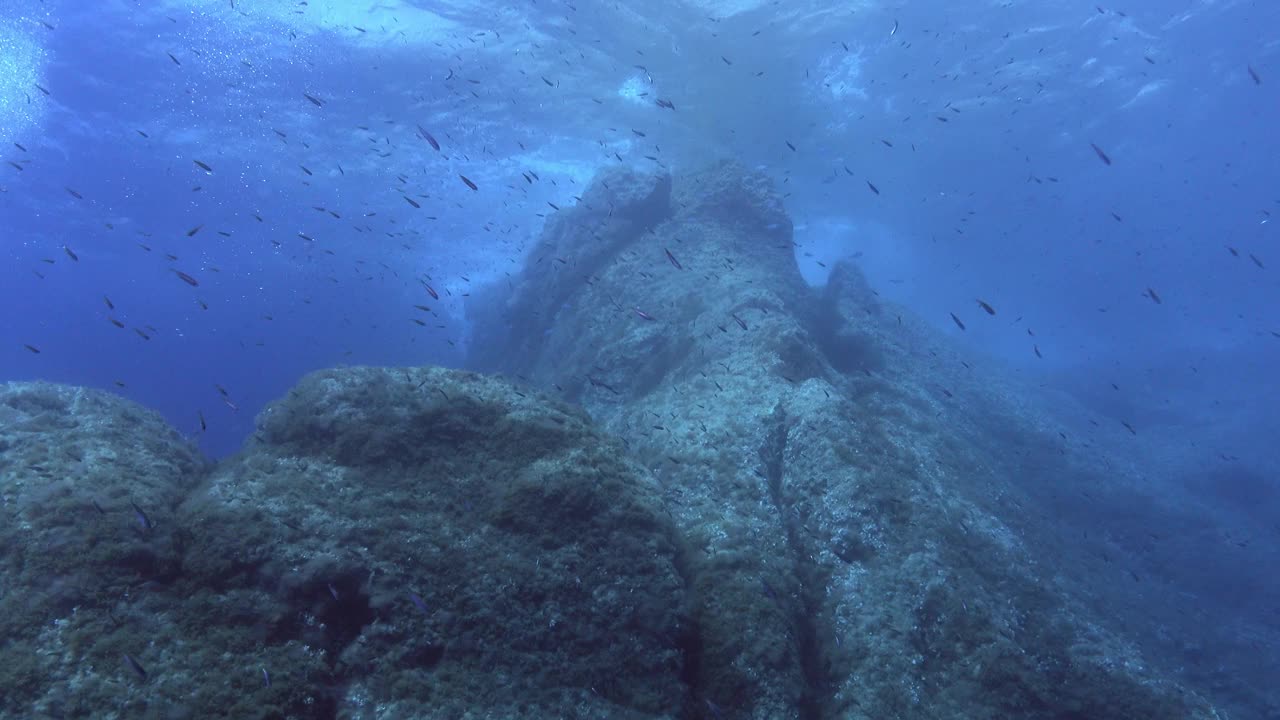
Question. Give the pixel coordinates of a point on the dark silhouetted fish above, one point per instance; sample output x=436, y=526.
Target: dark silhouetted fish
x=135, y=666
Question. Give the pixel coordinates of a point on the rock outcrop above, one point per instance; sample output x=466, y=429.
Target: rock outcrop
x=806, y=452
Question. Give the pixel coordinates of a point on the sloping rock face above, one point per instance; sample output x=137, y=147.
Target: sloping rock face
x=846, y=560
x=616, y=208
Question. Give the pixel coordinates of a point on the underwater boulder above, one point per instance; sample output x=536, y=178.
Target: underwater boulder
x=89, y=483
x=437, y=543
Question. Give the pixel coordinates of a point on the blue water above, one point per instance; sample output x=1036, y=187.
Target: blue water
x=1004, y=201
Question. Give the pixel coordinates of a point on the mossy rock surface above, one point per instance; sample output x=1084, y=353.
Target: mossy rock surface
x=90, y=485
x=391, y=543
x=445, y=540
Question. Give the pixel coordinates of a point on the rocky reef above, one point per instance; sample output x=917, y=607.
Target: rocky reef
x=707, y=491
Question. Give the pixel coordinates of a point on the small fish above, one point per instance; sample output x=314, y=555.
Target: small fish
x=468, y=182
x=1128, y=427
x=411, y=201
x=70, y=254
x=194, y=230
x=35, y=350
x=202, y=166
x=1256, y=261
x=894, y=31
x=141, y=517
x=990, y=310
x=419, y=603
x=1154, y=297
x=116, y=322
x=203, y=425
x=314, y=100
x=185, y=277
x=1036, y=348
x=333, y=591
x=429, y=138
x=1254, y=74
x=673, y=259
x=107, y=300
x=135, y=666
x=788, y=142
x=874, y=189
x=174, y=59
x=956, y=320
x=431, y=291
x=644, y=314
x=266, y=678
x=737, y=319
x=1101, y=155
x=74, y=194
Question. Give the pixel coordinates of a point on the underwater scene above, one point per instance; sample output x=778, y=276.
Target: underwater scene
x=622, y=360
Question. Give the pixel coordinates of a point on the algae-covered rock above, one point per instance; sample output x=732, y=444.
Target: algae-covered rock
x=89, y=483
x=785, y=504
x=390, y=543
x=445, y=545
